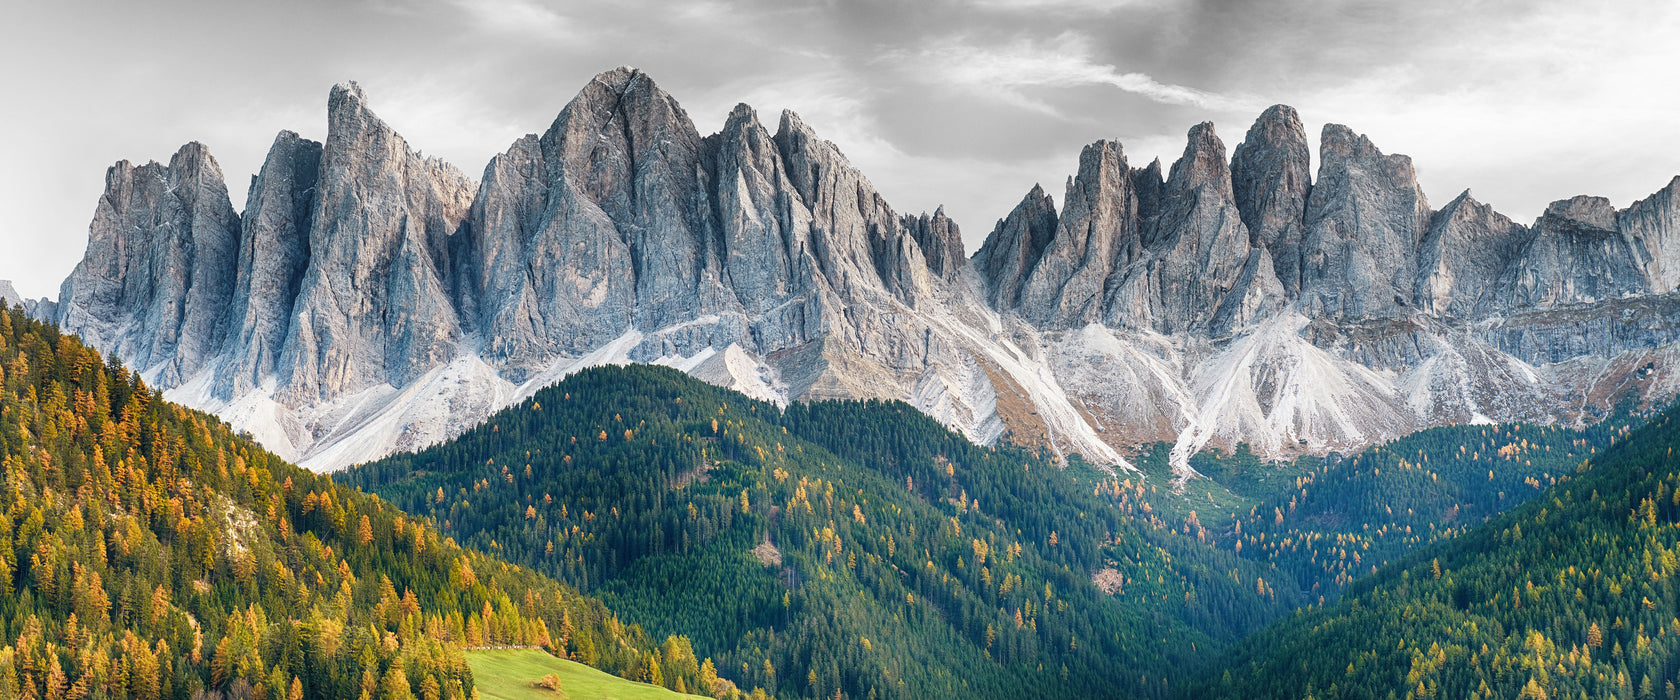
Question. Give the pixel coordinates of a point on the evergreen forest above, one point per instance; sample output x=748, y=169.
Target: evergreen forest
x=670, y=532
x=1572, y=594
x=146, y=551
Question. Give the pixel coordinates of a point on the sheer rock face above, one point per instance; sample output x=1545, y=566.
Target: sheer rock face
x=1134, y=250
x=1576, y=255
x=855, y=236
x=1462, y=257
x=599, y=225
x=1198, y=250
x=940, y=241
x=371, y=300
x=273, y=254
x=9, y=294
x=764, y=229
x=1364, y=220
x=1151, y=188
x=1652, y=225
x=374, y=305
x=155, y=283
x=1272, y=177
x=1096, y=233
x=1014, y=247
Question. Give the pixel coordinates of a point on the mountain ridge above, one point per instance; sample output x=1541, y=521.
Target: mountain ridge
x=1234, y=298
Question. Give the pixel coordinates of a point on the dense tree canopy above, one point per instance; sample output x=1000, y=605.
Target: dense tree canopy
x=1571, y=595
x=857, y=548
x=146, y=551
x=851, y=549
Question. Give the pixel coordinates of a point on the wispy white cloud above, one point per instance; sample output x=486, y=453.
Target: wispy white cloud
x=1067, y=6
x=524, y=18
x=938, y=102
x=1004, y=72
x=1525, y=121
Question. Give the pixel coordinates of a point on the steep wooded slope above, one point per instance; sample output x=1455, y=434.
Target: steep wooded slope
x=147, y=551
x=852, y=547
x=1572, y=594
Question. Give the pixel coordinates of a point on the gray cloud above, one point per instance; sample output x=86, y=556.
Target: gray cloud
x=965, y=103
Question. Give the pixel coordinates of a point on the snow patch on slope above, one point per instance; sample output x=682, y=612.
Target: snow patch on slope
x=1273, y=387
x=447, y=401
x=736, y=369
x=1069, y=431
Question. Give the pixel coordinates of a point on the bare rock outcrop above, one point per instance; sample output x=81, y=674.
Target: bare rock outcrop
x=1462, y=257
x=370, y=299
x=1014, y=247
x=374, y=304
x=1576, y=255
x=1199, y=266
x=1652, y=227
x=155, y=283
x=273, y=254
x=940, y=241
x=1097, y=232
x=1271, y=174
x=1364, y=219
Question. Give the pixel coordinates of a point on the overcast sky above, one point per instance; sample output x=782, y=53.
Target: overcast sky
x=965, y=103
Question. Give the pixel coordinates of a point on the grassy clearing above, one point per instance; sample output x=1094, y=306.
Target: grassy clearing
x=512, y=674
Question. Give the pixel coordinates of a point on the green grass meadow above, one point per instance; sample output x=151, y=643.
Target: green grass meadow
x=512, y=674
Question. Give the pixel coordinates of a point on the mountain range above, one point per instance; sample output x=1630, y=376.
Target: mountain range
x=370, y=300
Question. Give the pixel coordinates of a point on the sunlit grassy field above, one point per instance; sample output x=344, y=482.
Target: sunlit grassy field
x=512, y=674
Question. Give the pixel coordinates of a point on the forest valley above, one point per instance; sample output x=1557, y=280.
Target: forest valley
x=674, y=533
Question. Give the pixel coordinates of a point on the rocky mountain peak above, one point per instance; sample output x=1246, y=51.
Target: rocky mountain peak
x=1654, y=223
x=1014, y=246
x=1202, y=164
x=1271, y=178
x=1340, y=142
x=1364, y=220
x=273, y=255
x=1198, y=273
x=1467, y=248
x=940, y=241
x=370, y=299
x=1581, y=213
x=382, y=217
x=1578, y=254
x=805, y=154
x=345, y=98
x=1277, y=127
x=742, y=116
x=1096, y=232
x=9, y=294
x=157, y=277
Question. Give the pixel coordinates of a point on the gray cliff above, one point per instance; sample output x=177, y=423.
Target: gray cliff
x=1098, y=231
x=1462, y=257
x=9, y=294
x=374, y=304
x=370, y=299
x=1271, y=173
x=1014, y=247
x=155, y=283
x=600, y=224
x=1363, y=222
x=273, y=255
x=1199, y=269
x=1576, y=254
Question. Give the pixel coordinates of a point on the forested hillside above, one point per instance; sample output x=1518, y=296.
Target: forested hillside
x=857, y=549
x=1341, y=519
x=1570, y=595
x=148, y=552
